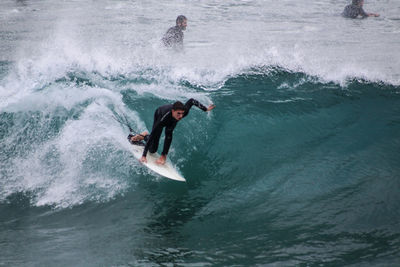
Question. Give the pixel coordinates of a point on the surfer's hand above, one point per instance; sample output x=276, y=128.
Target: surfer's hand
x=143, y=159
x=161, y=160
x=210, y=107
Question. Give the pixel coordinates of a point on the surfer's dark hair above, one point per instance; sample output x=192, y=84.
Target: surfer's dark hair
x=180, y=19
x=356, y=2
x=178, y=105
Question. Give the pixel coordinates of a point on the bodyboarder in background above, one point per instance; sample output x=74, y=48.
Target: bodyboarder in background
x=174, y=36
x=167, y=117
x=356, y=9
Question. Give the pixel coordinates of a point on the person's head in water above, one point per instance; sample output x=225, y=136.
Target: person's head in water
x=178, y=110
x=181, y=22
x=359, y=3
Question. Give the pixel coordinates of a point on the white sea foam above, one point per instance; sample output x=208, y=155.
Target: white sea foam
x=67, y=170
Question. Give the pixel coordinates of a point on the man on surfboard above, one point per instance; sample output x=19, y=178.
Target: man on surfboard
x=167, y=117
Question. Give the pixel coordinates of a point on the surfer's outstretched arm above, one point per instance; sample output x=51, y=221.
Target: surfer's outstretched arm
x=210, y=107
x=191, y=102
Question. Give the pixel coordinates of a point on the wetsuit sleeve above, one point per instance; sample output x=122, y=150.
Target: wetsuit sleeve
x=362, y=13
x=191, y=102
x=167, y=140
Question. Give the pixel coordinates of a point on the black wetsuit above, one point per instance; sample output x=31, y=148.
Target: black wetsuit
x=173, y=37
x=163, y=118
x=353, y=11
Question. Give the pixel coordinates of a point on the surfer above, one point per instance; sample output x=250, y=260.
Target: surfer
x=165, y=116
x=174, y=36
x=356, y=9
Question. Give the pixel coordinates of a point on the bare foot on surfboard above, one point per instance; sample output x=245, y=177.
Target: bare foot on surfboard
x=161, y=160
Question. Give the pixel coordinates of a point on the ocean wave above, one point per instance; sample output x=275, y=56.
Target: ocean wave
x=69, y=111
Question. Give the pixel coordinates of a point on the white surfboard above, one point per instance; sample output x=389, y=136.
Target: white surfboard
x=166, y=170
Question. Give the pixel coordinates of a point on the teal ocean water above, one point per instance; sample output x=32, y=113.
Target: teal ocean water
x=298, y=164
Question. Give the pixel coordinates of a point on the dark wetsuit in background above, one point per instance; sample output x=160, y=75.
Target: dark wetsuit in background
x=353, y=11
x=163, y=118
x=173, y=37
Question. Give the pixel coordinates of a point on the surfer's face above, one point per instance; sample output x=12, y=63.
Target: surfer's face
x=178, y=114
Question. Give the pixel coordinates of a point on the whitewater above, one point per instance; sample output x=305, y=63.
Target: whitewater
x=298, y=164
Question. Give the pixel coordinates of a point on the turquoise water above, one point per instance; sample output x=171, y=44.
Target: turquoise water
x=298, y=164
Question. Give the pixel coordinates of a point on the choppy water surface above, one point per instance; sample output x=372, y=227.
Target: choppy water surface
x=297, y=165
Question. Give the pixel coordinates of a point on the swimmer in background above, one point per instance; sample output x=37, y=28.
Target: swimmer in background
x=174, y=36
x=356, y=9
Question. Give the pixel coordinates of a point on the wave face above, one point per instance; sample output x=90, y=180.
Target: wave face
x=297, y=165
